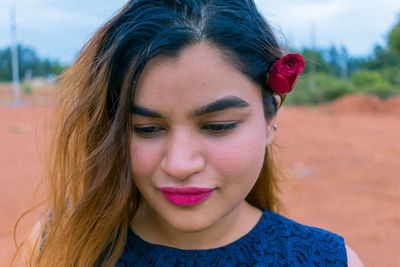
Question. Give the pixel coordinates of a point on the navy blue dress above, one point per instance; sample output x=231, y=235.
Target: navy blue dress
x=274, y=241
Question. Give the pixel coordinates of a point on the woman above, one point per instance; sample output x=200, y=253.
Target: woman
x=162, y=151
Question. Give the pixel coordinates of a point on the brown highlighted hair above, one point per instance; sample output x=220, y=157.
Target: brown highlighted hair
x=91, y=194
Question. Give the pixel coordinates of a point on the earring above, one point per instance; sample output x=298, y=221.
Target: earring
x=274, y=126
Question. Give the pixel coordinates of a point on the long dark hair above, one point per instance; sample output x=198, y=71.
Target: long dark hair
x=91, y=191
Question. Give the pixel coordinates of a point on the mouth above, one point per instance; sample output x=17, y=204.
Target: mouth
x=186, y=196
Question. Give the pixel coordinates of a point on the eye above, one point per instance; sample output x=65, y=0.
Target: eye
x=148, y=131
x=220, y=128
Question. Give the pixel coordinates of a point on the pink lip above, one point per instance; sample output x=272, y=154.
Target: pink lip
x=186, y=196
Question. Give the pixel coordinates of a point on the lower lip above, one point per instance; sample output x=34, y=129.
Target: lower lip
x=186, y=198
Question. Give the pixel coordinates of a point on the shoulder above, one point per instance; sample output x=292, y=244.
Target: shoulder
x=353, y=259
x=301, y=230
x=306, y=244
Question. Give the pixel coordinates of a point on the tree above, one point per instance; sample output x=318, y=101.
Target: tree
x=394, y=39
x=334, y=61
x=29, y=64
x=314, y=57
x=5, y=65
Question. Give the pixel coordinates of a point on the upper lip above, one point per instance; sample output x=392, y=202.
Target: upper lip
x=185, y=190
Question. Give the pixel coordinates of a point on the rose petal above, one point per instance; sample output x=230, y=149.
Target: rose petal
x=279, y=84
x=283, y=73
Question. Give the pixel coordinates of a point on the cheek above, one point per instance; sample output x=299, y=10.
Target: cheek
x=240, y=157
x=144, y=159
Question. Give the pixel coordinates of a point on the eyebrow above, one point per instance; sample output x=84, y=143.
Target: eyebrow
x=221, y=104
x=142, y=111
x=218, y=105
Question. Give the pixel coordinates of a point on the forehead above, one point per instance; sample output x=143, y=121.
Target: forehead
x=197, y=76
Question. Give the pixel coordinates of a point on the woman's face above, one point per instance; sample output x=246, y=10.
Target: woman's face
x=198, y=138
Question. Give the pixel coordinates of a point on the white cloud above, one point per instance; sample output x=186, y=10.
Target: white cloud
x=55, y=29
x=357, y=24
x=59, y=29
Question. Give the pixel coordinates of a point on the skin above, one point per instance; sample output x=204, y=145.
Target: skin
x=178, y=149
x=184, y=151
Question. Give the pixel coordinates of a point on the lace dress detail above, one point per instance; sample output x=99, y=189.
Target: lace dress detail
x=274, y=241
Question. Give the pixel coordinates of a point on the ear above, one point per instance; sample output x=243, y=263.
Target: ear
x=270, y=131
x=278, y=100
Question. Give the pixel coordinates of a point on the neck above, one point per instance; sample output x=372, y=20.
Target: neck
x=154, y=229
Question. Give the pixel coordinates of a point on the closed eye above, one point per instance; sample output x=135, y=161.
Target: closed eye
x=215, y=129
x=148, y=131
x=219, y=129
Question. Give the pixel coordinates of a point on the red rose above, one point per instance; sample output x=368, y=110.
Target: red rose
x=284, y=72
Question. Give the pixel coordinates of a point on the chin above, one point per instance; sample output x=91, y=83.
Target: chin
x=189, y=222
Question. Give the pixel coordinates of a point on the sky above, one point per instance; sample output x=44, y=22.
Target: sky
x=57, y=29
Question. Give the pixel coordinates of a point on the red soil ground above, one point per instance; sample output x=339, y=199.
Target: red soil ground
x=342, y=161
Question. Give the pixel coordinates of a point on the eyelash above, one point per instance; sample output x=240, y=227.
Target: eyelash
x=217, y=129
x=220, y=129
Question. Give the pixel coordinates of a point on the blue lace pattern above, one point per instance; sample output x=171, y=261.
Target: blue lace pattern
x=274, y=241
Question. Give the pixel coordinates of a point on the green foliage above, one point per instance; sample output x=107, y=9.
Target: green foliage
x=27, y=88
x=5, y=65
x=314, y=61
x=57, y=69
x=322, y=87
x=394, y=39
x=391, y=75
x=319, y=88
x=331, y=73
x=29, y=64
x=374, y=82
x=381, y=58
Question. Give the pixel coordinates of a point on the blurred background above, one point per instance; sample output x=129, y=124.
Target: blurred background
x=337, y=138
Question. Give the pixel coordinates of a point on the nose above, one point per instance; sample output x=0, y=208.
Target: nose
x=182, y=157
